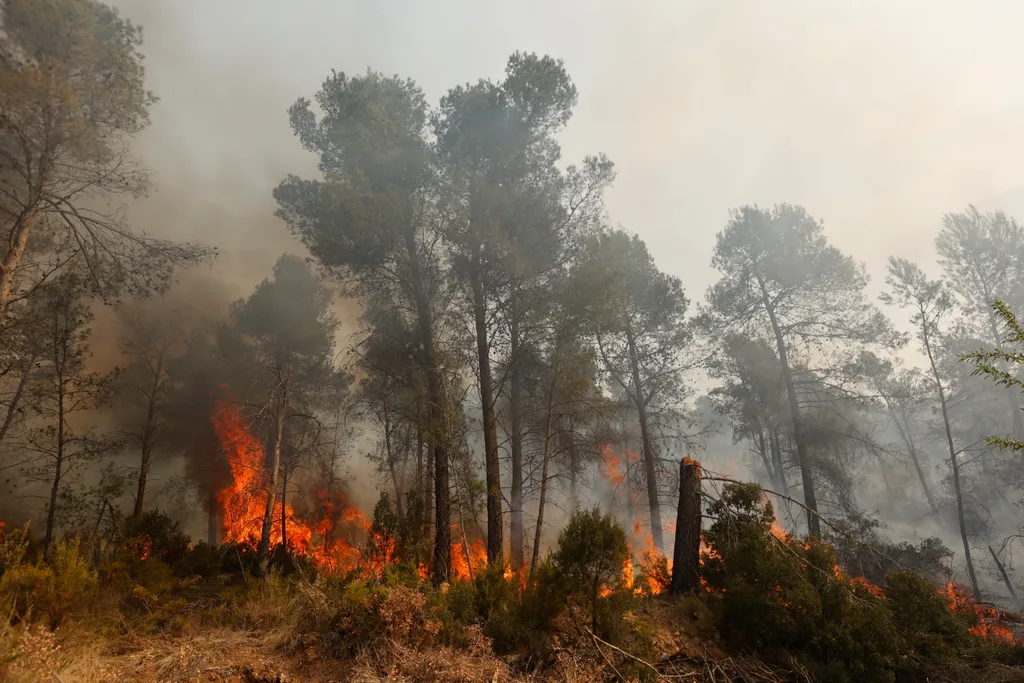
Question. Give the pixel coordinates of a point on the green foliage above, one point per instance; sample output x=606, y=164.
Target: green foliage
x=783, y=597
x=52, y=590
x=988, y=363
x=154, y=534
x=591, y=553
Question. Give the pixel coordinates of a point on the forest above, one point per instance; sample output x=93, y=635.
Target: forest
x=530, y=454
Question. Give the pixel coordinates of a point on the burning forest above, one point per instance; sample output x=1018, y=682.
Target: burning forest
x=432, y=416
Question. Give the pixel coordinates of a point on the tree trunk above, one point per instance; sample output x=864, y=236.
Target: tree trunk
x=686, y=554
x=263, y=552
x=20, y=232
x=436, y=432
x=952, y=463
x=51, y=512
x=915, y=459
x=574, y=464
x=148, y=437
x=284, y=509
x=810, y=500
x=19, y=391
x=650, y=470
x=544, y=470
x=777, y=459
x=516, y=527
x=492, y=466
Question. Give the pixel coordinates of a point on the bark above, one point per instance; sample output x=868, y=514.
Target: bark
x=263, y=552
x=952, y=462
x=19, y=235
x=686, y=555
x=516, y=527
x=650, y=470
x=803, y=458
x=148, y=437
x=495, y=542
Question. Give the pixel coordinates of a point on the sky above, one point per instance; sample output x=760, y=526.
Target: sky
x=878, y=116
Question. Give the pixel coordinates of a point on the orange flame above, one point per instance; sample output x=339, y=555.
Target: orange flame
x=243, y=502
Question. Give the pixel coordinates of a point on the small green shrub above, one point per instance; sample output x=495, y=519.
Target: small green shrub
x=591, y=553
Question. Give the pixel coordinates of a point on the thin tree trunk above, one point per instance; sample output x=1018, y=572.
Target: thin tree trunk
x=516, y=528
x=574, y=464
x=803, y=458
x=686, y=554
x=284, y=509
x=650, y=470
x=436, y=432
x=263, y=552
x=51, y=512
x=780, y=468
x=544, y=470
x=492, y=466
x=148, y=437
x=1006, y=577
x=914, y=458
x=952, y=462
x=19, y=391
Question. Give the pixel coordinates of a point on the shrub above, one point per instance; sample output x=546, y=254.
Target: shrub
x=591, y=554
x=780, y=597
x=51, y=589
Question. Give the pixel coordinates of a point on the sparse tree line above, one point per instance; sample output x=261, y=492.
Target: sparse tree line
x=511, y=339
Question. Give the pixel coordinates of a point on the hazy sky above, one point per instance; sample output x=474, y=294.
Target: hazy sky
x=878, y=116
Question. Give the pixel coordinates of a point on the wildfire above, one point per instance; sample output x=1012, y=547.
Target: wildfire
x=244, y=501
x=988, y=626
x=469, y=555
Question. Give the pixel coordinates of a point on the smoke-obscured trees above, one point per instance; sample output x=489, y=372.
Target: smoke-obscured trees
x=930, y=304
x=368, y=221
x=71, y=97
x=58, y=448
x=781, y=280
x=636, y=315
x=982, y=257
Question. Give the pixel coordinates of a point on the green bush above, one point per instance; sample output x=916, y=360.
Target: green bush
x=591, y=553
x=53, y=589
x=783, y=597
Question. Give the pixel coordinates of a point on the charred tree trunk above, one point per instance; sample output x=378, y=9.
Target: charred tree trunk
x=516, y=528
x=803, y=457
x=650, y=469
x=495, y=542
x=686, y=555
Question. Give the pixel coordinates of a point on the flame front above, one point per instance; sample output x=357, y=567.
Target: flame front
x=244, y=502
